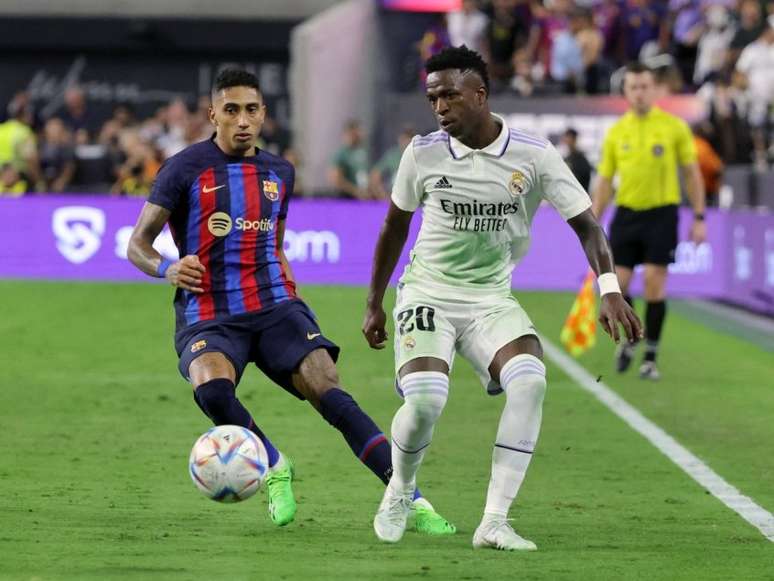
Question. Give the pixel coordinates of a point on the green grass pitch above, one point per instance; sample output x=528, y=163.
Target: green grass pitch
x=97, y=426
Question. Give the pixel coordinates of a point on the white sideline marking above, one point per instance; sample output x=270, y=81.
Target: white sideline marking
x=743, y=505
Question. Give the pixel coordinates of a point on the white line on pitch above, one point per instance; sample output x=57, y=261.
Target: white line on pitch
x=743, y=505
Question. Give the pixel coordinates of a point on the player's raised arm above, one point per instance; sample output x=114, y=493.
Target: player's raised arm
x=614, y=310
x=185, y=273
x=392, y=238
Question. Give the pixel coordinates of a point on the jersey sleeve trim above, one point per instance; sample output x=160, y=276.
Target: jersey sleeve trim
x=576, y=209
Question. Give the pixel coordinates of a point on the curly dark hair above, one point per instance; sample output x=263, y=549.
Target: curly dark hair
x=459, y=57
x=228, y=78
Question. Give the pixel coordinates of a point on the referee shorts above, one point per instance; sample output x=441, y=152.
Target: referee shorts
x=644, y=236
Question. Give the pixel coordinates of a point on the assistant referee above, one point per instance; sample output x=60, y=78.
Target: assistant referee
x=647, y=148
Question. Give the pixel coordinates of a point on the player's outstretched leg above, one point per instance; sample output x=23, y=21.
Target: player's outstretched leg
x=217, y=399
x=425, y=394
x=369, y=444
x=317, y=379
x=523, y=378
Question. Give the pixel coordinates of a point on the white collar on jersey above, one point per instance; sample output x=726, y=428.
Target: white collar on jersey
x=495, y=149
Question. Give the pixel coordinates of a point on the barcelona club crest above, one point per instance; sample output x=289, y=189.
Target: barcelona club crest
x=518, y=184
x=271, y=190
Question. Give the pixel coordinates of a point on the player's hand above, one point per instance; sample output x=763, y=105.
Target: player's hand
x=698, y=231
x=186, y=274
x=615, y=311
x=374, y=327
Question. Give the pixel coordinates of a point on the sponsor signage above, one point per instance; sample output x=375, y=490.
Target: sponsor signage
x=332, y=242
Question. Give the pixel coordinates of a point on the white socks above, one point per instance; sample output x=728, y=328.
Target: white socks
x=524, y=380
x=425, y=394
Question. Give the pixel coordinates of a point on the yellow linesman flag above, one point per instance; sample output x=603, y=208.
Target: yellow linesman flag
x=579, y=332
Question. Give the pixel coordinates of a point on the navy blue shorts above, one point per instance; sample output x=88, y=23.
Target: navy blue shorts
x=276, y=340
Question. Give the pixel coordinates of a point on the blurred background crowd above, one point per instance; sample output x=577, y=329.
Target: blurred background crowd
x=720, y=50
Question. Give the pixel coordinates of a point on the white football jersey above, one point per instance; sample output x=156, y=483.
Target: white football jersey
x=478, y=205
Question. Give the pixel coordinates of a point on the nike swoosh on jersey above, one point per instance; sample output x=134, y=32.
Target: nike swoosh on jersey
x=311, y=336
x=207, y=190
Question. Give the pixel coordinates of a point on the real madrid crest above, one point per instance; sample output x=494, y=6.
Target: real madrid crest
x=518, y=184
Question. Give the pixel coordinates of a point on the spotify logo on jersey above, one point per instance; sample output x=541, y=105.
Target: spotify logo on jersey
x=219, y=224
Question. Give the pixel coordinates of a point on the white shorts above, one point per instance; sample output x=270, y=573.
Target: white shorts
x=477, y=326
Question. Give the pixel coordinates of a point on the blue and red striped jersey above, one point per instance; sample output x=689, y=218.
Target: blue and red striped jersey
x=226, y=210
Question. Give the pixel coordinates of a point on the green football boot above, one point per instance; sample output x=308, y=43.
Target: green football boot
x=429, y=522
x=282, y=504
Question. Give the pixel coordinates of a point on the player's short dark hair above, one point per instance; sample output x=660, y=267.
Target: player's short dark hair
x=228, y=78
x=459, y=57
x=638, y=67
x=571, y=133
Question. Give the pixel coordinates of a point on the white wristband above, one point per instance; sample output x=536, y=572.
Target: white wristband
x=608, y=283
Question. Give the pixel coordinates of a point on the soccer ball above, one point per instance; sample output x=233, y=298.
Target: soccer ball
x=228, y=463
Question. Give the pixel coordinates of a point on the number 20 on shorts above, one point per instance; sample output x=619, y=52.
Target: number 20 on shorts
x=421, y=318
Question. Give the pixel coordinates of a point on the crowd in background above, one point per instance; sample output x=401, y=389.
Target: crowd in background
x=571, y=46
x=76, y=150
x=723, y=50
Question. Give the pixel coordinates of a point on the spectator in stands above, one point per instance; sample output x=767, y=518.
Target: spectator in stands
x=383, y=173
x=550, y=23
x=567, y=57
x=349, y=170
x=727, y=104
x=468, y=26
x=12, y=184
x=57, y=156
x=713, y=44
x=505, y=34
x=522, y=81
x=18, y=145
x=591, y=44
x=123, y=115
x=756, y=63
x=640, y=24
x=433, y=41
x=199, y=126
x=687, y=26
x=575, y=159
x=710, y=164
x=750, y=28
x=77, y=117
x=607, y=19
x=174, y=136
x=136, y=174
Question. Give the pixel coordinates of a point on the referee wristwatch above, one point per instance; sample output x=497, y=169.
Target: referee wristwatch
x=698, y=216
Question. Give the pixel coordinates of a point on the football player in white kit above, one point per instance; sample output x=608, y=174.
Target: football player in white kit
x=479, y=183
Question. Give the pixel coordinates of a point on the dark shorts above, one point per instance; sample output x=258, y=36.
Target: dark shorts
x=276, y=340
x=644, y=236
